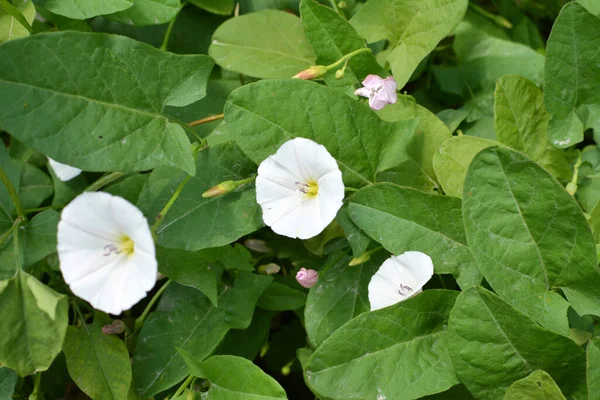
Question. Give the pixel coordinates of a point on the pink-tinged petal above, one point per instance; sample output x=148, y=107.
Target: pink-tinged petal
x=377, y=104
x=372, y=82
x=307, y=277
x=364, y=92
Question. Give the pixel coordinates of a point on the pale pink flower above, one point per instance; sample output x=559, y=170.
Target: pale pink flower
x=307, y=277
x=379, y=91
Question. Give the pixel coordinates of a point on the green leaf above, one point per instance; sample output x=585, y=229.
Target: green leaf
x=194, y=222
x=148, y=12
x=413, y=29
x=223, y=7
x=591, y=5
x=452, y=118
x=37, y=239
x=233, y=378
x=331, y=38
x=263, y=115
x=521, y=122
x=10, y=28
x=8, y=380
x=13, y=170
x=99, y=364
x=280, y=297
x=264, y=44
x=404, y=219
x=190, y=269
x=537, y=386
x=128, y=188
x=530, y=238
x=35, y=186
x=382, y=353
x=84, y=9
x=571, y=73
x=359, y=241
x=248, y=342
x=34, y=322
x=186, y=318
x=116, y=122
x=492, y=345
x=339, y=295
x=593, y=369
x=452, y=160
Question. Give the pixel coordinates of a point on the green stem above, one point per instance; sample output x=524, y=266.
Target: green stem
x=105, y=180
x=6, y=234
x=442, y=281
x=140, y=321
x=346, y=57
x=350, y=189
x=244, y=181
x=36, y=386
x=572, y=186
x=165, y=42
x=335, y=7
x=497, y=19
x=16, y=248
x=11, y=192
x=39, y=209
x=183, y=386
x=376, y=249
x=14, y=11
x=161, y=216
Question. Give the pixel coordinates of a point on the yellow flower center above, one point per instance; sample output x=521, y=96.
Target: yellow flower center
x=310, y=189
x=126, y=245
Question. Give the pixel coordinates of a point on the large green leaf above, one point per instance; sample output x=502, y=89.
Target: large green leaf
x=101, y=99
x=234, y=378
x=194, y=222
x=264, y=44
x=332, y=37
x=83, y=9
x=530, y=238
x=187, y=319
x=451, y=161
x=99, y=364
x=8, y=380
x=34, y=322
x=13, y=170
x=248, y=342
x=537, y=386
x=404, y=219
x=359, y=241
x=148, y=12
x=398, y=352
x=521, y=122
x=413, y=29
x=339, y=295
x=571, y=73
x=263, y=115
x=35, y=186
x=492, y=345
x=593, y=369
x=10, y=28
x=280, y=297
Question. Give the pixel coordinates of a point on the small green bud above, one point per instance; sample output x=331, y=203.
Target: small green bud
x=363, y=258
x=339, y=74
x=314, y=72
x=221, y=189
x=342, y=4
x=269, y=269
x=572, y=188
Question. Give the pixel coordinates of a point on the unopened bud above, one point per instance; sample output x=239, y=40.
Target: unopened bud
x=504, y=22
x=342, y=4
x=221, y=189
x=115, y=328
x=269, y=269
x=572, y=188
x=339, y=74
x=307, y=277
x=314, y=72
x=257, y=245
x=363, y=258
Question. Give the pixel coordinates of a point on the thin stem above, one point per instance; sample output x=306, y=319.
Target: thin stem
x=183, y=386
x=205, y=120
x=442, y=281
x=350, y=189
x=39, y=209
x=335, y=7
x=14, y=12
x=16, y=248
x=36, y=385
x=11, y=192
x=105, y=180
x=140, y=321
x=498, y=19
x=165, y=42
x=244, y=181
x=346, y=57
x=79, y=313
x=161, y=216
x=376, y=249
x=6, y=234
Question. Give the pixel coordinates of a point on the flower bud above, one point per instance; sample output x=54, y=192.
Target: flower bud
x=307, y=277
x=221, y=189
x=115, y=328
x=342, y=4
x=257, y=245
x=363, y=258
x=269, y=269
x=339, y=74
x=314, y=72
x=572, y=188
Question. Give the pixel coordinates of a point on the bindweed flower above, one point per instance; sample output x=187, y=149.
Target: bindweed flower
x=300, y=189
x=307, y=277
x=63, y=172
x=380, y=92
x=399, y=278
x=115, y=328
x=106, y=251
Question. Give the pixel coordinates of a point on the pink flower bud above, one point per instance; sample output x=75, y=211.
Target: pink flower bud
x=115, y=328
x=314, y=72
x=307, y=277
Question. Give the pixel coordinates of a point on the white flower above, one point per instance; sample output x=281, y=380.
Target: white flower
x=63, y=172
x=399, y=278
x=379, y=91
x=300, y=189
x=106, y=251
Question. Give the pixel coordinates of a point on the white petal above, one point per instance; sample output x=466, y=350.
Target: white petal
x=110, y=281
x=332, y=185
x=399, y=278
x=364, y=92
x=63, y=172
x=372, y=82
x=376, y=103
